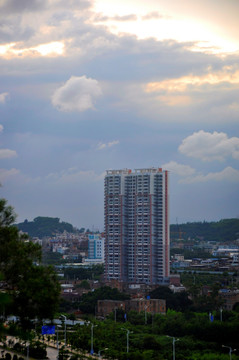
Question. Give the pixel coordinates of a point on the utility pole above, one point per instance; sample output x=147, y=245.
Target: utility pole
x=64, y=317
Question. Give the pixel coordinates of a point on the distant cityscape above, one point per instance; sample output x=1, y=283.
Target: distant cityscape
x=135, y=248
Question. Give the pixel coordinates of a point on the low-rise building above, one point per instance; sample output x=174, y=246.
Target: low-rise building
x=153, y=306
x=230, y=298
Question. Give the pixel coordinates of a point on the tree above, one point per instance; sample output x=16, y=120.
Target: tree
x=178, y=301
x=88, y=301
x=34, y=289
x=45, y=226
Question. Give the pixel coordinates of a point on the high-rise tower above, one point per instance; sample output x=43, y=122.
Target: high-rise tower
x=137, y=226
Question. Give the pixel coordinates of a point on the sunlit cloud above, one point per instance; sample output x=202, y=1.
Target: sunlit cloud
x=220, y=47
x=102, y=146
x=149, y=22
x=55, y=48
x=178, y=100
x=210, y=146
x=228, y=75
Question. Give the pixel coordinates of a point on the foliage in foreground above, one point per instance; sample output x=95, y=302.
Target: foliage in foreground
x=197, y=337
x=31, y=290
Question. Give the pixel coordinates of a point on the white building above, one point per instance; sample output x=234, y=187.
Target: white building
x=95, y=249
x=137, y=226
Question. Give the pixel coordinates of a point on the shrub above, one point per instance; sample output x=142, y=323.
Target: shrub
x=8, y=356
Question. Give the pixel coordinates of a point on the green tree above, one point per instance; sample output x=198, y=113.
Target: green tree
x=34, y=289
x=89, y=301
x=178, y=301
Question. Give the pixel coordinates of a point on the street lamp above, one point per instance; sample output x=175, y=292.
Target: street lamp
x=127, y=337
x=27, y=351
x=99, y=352
x=174, y=341
x=230, y=350
x=64, y=317
x=57, y=342
x=92, y=338
x=221, y=314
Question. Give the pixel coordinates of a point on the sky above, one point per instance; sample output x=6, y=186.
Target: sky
x=87, y=86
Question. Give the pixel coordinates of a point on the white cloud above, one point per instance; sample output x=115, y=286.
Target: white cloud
x=5, y=174
x=1, y=128
x=77, y=94
x=3, y=97
x=210, y=146
x=228, y=174
x=102, y=146
x=179, y=169
x=6, y=153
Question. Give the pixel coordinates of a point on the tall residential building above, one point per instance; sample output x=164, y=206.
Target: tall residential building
x=137, y=226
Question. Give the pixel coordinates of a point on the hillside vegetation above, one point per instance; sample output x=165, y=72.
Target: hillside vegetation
x=225, y=230
x=45, y=226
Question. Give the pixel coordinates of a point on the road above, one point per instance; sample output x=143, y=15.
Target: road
x=51, y=353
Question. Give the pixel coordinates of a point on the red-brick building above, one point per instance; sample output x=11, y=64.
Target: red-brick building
x=153, y=306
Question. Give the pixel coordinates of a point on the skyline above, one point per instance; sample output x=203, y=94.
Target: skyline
x=90, y=86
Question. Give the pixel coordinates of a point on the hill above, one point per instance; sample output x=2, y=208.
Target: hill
x=225, y=230
x=45, y=226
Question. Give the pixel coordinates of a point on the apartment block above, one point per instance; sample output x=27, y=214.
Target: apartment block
x=137, y=226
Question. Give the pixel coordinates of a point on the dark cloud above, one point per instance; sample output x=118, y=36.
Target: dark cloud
x=18, y=6
x=74, y=4
x=11, y=31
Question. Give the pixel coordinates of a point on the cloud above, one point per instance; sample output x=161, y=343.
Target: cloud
x=11, y=50
x=16, y=6
x=74, y=176
x=210, y=146
x=179, y=169
x=154, y=15
x=3, y=97
x=5, y=174
x=6, y=153
x=77, y=94
x=228, y=174
x=102, y=18
x=226, y=77
x=102, y=146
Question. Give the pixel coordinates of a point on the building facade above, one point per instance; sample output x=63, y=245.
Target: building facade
x=152, y=306
x=137, y=226
x=95, y=247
